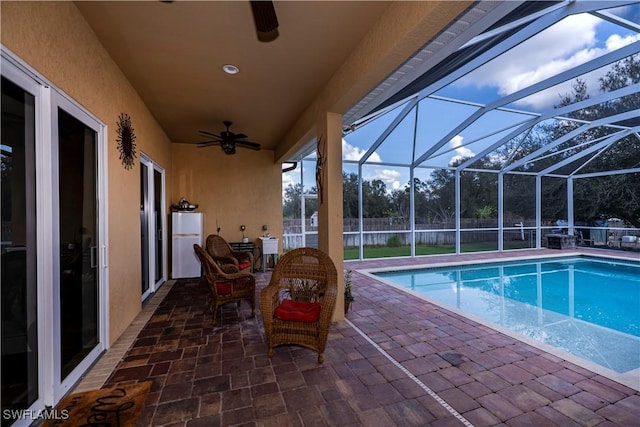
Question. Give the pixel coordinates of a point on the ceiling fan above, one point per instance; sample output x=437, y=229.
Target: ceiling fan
x=228, y=140
x=264, y=17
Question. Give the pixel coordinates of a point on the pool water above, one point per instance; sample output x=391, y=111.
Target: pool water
x=587, y=306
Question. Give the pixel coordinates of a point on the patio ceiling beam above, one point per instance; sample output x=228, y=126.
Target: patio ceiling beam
x=591, y=7
x=513, y=25
x=570, y=135
x=584, y=165
x=572, y=73
x=545, y=21
x=573, y=147
x=549, y=15
x=617, y=20
x=385, y=46
x=555, y=113
x=486, y=135
x=599, y=174
x=477, y=18
x=406, y=110
x=602, y=145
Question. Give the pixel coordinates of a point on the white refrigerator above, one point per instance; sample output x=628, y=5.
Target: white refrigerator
x=186, y=229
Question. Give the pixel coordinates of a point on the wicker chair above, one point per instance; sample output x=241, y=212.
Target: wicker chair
x=298, y=303
x=225, y=283
x=220, y=251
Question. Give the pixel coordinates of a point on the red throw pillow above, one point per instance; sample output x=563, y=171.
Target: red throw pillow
x=244, y=264
x=223, y=288
x=298, y=311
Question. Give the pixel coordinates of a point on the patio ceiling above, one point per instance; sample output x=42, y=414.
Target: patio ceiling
x=490, y=126
x=173, y=53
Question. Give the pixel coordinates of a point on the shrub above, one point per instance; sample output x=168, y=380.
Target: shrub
x=394, y=242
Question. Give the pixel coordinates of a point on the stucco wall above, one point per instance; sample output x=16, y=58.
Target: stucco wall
x=231, y=190
x=54, y=39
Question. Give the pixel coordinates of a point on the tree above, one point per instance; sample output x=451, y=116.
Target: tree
x=596, y=197
x=375, y=203
x=350, y=195
x=442, y=201
x=292, y=201
x=613, y=195
x=400, y=205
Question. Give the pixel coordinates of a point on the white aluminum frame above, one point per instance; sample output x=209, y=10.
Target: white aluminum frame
x=51, y=388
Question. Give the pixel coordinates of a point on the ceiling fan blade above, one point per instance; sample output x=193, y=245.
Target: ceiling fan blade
x=208, y=143
x=265, y=19
x=249, y=144
x=209, y=134
x=240, y=136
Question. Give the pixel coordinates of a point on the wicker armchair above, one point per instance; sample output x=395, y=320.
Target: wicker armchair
x=225, y=283
x=298, y=303
x=220, y=251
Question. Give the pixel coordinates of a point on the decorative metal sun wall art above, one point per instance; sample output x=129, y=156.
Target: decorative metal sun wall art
x=126, y=141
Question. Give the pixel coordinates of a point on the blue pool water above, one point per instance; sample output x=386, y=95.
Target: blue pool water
x=587, y=306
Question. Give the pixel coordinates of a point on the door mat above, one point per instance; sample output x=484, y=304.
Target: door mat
x=108, y=407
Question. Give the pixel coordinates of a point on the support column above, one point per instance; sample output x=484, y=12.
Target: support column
x=538, y=212
x=458, y=209
x=500, y=212
x=570, y=213
x=329, y=174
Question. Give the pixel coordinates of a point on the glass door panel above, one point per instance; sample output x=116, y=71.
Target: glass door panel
x=144, y=227
x=77, y=174
x=18, y=253
x=159, y=231
x=152, y=225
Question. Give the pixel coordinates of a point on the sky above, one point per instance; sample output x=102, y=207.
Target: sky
x=571, y=42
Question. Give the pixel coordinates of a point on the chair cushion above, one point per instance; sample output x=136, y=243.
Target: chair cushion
x=244, y=264
x=298, y=311
x=242, y=283
x=224, y=288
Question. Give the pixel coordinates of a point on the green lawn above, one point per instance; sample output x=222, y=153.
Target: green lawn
x=400, y=251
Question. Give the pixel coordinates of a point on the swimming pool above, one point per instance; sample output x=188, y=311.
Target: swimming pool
x=587, y=306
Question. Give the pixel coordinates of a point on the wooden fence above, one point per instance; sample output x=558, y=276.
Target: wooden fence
x=389, y=232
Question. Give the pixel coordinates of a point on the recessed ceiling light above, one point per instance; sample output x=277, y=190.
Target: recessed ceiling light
x=230, y=69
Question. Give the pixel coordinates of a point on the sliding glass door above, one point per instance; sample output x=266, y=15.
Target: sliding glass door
x=77, y=180
x=152, y=225
x=76, y=239
x=20, y=350
x=52, y=237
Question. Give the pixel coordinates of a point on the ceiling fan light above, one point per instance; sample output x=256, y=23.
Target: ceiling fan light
x=264, y=16
x=228, y=147
x=230, y=69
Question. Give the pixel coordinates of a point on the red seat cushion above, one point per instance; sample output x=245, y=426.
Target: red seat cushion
x=244, y=264
x=298, y=311
x=224, y=288
x=242, y=283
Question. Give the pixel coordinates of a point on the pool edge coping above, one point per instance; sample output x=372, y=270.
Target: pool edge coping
x=629, y=379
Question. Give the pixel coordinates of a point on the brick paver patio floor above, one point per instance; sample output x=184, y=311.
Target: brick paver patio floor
x=396, y=360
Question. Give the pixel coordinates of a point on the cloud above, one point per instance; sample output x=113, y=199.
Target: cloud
x=616, y=42
x=390, y=177
x=290, y=178
x=461, y=152
x=571, y=42
x=351, y=152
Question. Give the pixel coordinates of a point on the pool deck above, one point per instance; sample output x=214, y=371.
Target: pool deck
x=396, y=360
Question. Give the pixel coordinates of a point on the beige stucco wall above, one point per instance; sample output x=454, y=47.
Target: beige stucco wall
x=231, y=190
x=54, y=39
